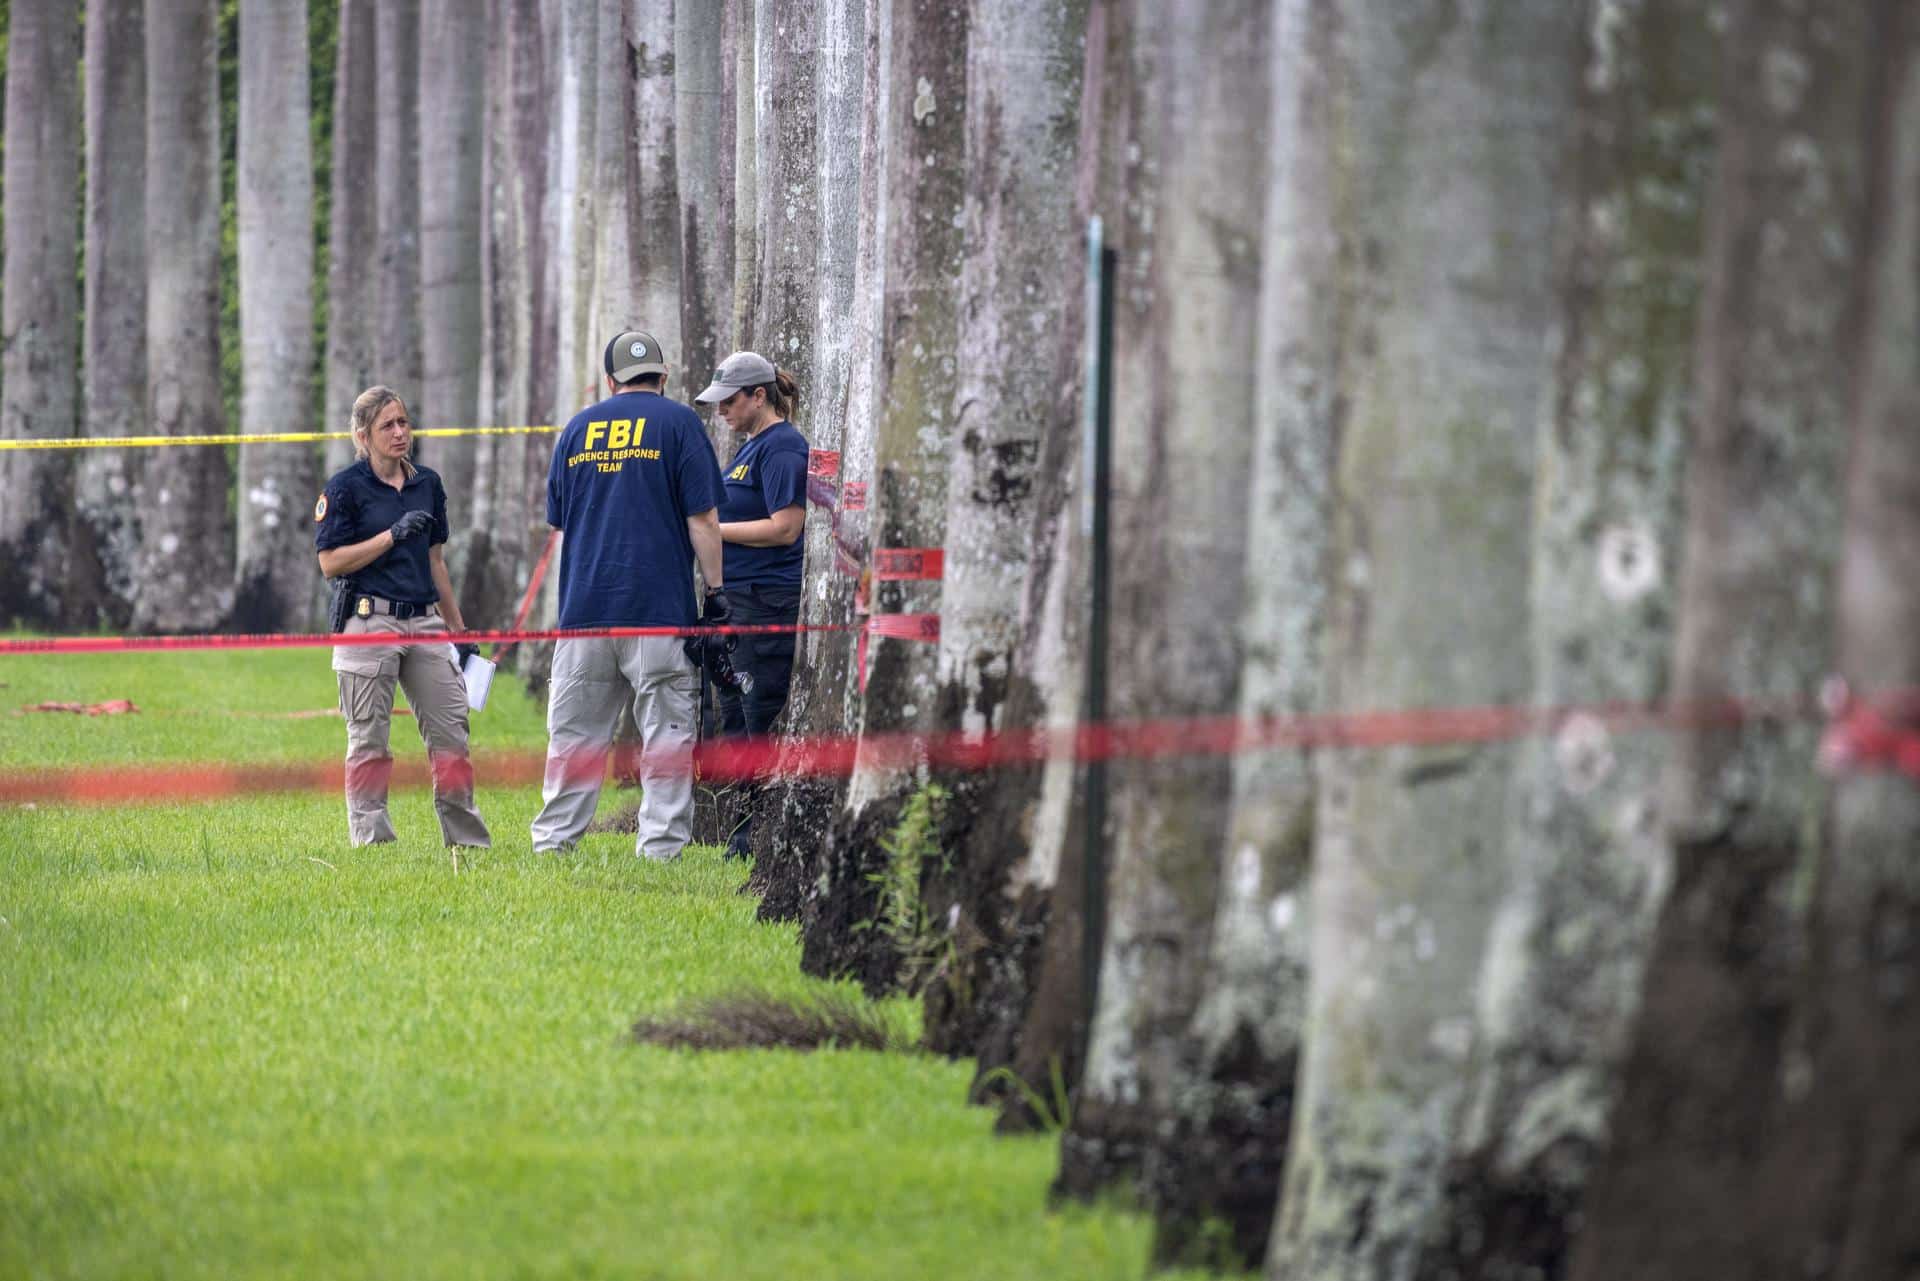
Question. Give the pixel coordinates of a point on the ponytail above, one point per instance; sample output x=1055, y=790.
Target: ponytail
x=783, y=393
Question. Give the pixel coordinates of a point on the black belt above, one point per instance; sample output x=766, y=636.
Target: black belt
x=365, y=606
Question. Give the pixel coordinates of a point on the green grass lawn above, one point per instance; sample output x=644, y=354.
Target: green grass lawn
x=231, y=1045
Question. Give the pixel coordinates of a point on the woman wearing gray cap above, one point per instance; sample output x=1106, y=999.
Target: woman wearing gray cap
x=763, y=516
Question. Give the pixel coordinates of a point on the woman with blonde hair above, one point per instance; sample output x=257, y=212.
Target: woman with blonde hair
x=380, y=525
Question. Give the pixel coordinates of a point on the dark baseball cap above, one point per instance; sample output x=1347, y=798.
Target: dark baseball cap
x=633, y=353
x=741, y=369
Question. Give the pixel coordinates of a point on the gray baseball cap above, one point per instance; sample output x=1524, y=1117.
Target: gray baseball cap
x=741, y=369
x=633, y=353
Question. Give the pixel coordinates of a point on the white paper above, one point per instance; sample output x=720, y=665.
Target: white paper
x=478, y=673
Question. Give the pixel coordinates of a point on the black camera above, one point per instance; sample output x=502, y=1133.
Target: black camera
x=715, y=654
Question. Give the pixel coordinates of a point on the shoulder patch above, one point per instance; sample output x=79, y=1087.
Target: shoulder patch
x=320, y=507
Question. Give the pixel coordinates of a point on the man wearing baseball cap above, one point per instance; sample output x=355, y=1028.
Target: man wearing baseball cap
x=634, y=488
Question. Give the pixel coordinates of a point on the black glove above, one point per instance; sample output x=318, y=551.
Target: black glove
x=462, y=652
x=718, y=611
x=411, y=525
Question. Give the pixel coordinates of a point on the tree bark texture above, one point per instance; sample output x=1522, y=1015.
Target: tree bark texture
x=396, y=180
x=1219, y=1165
x=106, y=525
x=575, y=201
x=645, y=258
x=703, y=127
x=1453, y=126
x=786, y=39
x=274, y=575
x=1040, y=1009
x=453, y=61
x=38, y=383
x=1560, y=980
x=521, y=329
x=353, y=231
x=1858, y=1146
x=1188, y=278
x=186, y=568
x=1016, y=425
x=1727, y=1146
x=737, y=44
x=791, y=874
x=924, y=245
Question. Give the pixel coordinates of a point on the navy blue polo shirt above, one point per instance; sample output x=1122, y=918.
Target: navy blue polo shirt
x=356, y=505
x=768, y=474
x=626, y=474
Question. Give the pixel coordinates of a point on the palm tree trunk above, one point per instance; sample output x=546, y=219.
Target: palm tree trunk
x=40, y=324
x=452, y=114
x=352, y=279
x=1452, y=137
x=788, y=195
x=923, y=248
x=853, y=78
x=646, y=255
x=703, y=127
x=275, y=574
x=1560, y=981
x=186, y=569
x=1017, y=417
x=1719, y=1045
x=396, y=179
x=106, y=528
x=1220, y=1162
x=1189, y=276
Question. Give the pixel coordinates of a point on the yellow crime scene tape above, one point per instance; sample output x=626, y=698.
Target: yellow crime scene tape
x=259, y=438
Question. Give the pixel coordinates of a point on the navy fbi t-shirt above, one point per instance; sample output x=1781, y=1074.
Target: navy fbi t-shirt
x=356, y=505
x=768, y=474
x=626, y=474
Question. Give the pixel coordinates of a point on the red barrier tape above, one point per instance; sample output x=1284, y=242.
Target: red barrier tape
x=741, y=758
x=909, y=564
x=302, y=640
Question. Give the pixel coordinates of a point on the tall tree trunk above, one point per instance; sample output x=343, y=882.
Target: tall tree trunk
x=1452, y=142
x=38, y=384
x=353, y=233
x=1857, y=1143
x=520, y=331
x=1221, y=1161
x=854, y=77
x=1189, y=275
x=576, y=201
x=1016, y=427
x=1560, y=980
x=645, y=254
x=923, y=246
x=703, y=125
x=453, y=60
x=1039, y=1032
x=275, y=572
x=396, y=177
x=106, y=530
x=786, y=41
x=186, y=573
x=1702, y=1176
x=737, y=45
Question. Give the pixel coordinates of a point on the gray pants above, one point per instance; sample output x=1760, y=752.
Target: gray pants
x=438, y=696
x=591, y=680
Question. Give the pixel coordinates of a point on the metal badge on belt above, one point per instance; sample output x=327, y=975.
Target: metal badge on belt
x=365, y=607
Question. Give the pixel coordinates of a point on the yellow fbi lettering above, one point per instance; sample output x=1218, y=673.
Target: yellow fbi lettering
x=611, y=443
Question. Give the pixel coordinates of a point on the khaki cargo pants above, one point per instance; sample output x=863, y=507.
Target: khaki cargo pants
x=438, y=696
x=591, y=680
